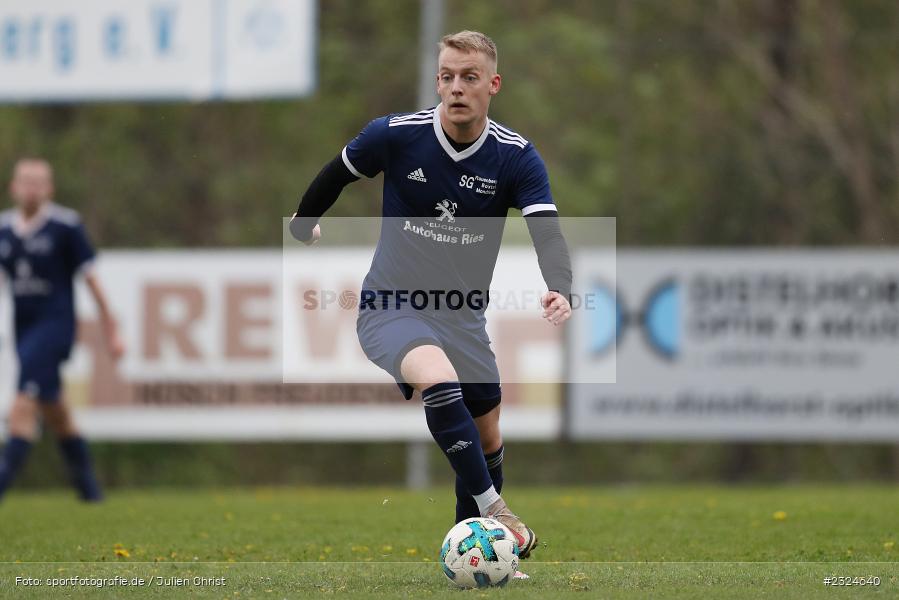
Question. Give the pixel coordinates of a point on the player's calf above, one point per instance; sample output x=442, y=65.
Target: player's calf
x=81, y=469
x=466, y=507
x=22, y=432
x=455, y=432
x=14, y=456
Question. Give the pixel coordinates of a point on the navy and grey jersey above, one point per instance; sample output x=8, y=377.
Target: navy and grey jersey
x=444, y=209
x=40, y=263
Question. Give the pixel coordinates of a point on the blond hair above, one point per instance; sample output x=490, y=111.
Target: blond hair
x=22, y=160
x=470, y=41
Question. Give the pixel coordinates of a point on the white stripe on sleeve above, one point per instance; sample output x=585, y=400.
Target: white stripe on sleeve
x=537, y=208
x=349, y=165
x=86, y=267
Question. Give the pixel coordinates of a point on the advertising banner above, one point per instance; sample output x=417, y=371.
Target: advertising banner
x=62, y=50
x=243, y=344
x=739, y=344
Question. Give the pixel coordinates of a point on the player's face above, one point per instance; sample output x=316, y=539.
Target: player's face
x=465, y=82
x=32, y=184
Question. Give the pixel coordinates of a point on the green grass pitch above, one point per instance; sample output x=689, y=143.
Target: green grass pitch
x=616, y=542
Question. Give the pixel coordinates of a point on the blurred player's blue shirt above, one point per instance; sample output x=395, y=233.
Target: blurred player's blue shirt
x=444, y=209
x=40, y=263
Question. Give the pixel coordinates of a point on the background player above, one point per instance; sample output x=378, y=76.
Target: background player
x=43, y=246
x=428, y=159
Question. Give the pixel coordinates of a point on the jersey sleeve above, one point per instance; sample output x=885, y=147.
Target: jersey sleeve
x=531, y=186
x=81, y=250
x=5, y=250
x=366, y=155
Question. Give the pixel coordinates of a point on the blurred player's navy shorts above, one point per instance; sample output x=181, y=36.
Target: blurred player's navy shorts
x=387, y=336
x=42, y=347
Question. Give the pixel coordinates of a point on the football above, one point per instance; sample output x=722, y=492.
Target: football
x=479, y=553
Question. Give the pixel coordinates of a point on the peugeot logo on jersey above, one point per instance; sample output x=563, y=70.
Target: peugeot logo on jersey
x=658, y=318
x=23, y=269
x=41, y=244
x=446, y=210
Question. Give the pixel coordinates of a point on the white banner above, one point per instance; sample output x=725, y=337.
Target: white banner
x=213, y=335
x=63, y=50
x=728, y=344
x=723, y=344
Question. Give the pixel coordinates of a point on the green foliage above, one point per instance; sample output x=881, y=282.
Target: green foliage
x=693, y=123
x=205, y=464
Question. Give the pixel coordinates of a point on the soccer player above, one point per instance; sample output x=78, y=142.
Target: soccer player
x=450, y=176
x=43, y=247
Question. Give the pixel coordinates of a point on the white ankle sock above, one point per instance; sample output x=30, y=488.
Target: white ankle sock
x=486, y=499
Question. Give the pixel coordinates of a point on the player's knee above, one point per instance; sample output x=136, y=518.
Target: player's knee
x=434, y=378
x=59, y=419
x=488, y=426
x=23, y=417
x=492, y=444
x=491, y=439
x=427, y=366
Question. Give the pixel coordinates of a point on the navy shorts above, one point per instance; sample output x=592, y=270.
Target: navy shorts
x=387, y=336
x=42, y=347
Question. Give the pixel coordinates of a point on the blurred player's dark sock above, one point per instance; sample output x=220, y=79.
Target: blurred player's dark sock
x=466, y=507
x=14, y=456
x=81, y=469
x=457, y=435
x=495, y=466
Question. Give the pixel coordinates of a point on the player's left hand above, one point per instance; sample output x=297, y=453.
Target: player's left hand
x=556, y=308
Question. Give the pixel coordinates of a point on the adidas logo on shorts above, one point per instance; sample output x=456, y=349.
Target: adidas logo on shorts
x=417, y=175
x=460, y=445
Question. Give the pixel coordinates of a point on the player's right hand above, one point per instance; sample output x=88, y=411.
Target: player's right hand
x=316, y=235
x=316, y=232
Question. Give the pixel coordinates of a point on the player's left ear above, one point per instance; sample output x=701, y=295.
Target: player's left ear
x=496, y=82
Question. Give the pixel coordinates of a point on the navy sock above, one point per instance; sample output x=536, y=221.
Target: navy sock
x=466, y=507
x=456, y=434
x=14, y=456
x=81, y=469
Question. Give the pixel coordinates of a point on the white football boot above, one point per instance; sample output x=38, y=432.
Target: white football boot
x=524, y=535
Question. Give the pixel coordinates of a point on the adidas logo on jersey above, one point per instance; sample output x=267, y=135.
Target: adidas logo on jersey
x=460, y=445
x=417, y=175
